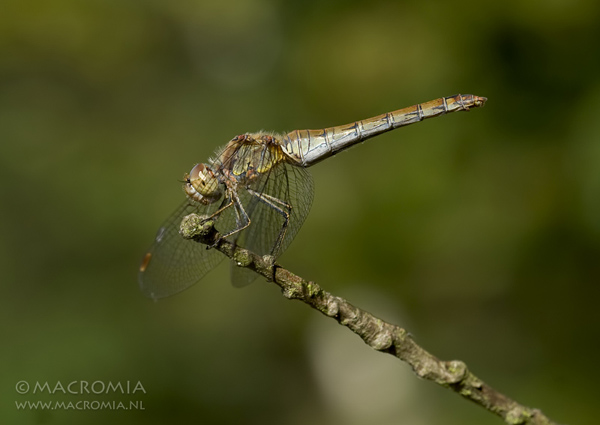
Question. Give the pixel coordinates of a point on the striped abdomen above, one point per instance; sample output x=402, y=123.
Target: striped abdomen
x=307, y=147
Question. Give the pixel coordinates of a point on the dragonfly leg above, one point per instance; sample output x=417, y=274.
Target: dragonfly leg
x=222, y=208
x=242, y=220
x=282, y=208
x=224, y=205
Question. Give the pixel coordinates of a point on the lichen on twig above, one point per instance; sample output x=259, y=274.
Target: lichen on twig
x=376, y=333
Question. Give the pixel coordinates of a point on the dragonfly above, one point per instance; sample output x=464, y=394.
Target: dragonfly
x=258, y=192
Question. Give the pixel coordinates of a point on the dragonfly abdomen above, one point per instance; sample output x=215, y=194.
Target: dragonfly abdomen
x=307, y=147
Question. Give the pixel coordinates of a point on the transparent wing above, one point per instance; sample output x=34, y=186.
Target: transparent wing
x=173, y=263
x=285, y=185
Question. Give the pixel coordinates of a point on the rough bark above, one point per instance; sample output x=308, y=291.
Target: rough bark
x=376, y=333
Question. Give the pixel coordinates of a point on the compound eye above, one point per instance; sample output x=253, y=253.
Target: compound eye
x=198, y=172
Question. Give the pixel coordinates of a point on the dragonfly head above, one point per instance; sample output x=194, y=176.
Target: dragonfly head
x=202, y=185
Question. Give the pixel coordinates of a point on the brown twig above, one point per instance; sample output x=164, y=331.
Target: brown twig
x=375, y=332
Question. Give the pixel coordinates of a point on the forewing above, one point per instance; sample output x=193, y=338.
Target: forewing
x=290, y=185
x=173, y=263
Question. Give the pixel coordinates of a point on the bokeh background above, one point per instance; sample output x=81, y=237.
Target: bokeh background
x=478, y=232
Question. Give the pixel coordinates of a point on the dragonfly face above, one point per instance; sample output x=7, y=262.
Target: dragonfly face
x=202, y=185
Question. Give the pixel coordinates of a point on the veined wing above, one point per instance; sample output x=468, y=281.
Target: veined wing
x=284, y=184
x=173, y=263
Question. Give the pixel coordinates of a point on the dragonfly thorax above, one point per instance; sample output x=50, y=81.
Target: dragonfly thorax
x=202, y=185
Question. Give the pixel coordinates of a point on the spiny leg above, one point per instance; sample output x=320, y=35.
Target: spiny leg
x=220, y=210
x=272, y=202
x=242, y=220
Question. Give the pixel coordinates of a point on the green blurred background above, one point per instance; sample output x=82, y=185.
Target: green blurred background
x=478, y=232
